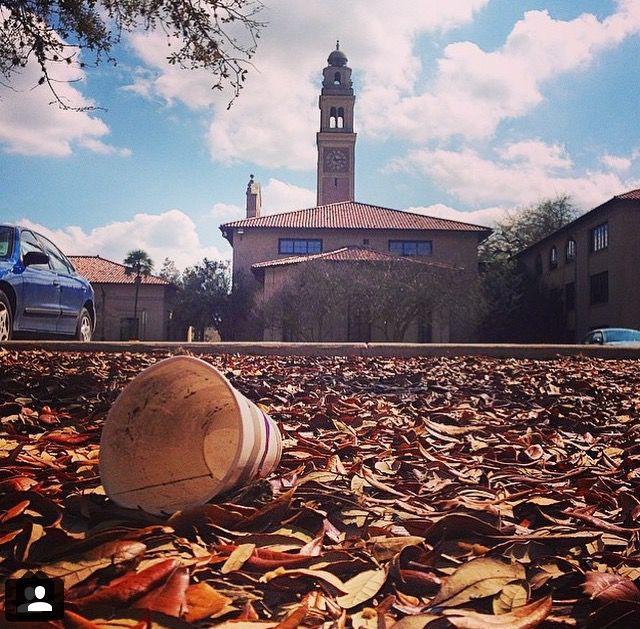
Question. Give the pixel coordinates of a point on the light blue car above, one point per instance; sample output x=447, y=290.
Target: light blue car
x=40, y=291
x=621, y=337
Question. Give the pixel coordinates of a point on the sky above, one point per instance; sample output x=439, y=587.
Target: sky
x=464, y=109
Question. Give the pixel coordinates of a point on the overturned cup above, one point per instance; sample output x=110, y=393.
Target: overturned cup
x=180, y=434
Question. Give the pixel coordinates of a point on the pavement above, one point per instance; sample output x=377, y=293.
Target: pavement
x=399, y=350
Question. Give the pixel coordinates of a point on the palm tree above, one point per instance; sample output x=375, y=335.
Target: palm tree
x=139, y=263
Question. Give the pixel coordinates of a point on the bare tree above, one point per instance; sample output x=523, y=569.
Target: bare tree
x=322, y=300
x=215, y=35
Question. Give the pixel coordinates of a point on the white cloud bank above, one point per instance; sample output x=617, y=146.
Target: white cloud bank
x=274, y=121
x=474, y=90
x=521, y=174
x=31, y=125
x=169, y=234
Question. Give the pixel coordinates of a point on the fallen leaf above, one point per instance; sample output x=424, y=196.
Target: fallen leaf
x=526, y=617
x=238, y=558
x=361, y=588
x=476, y=579
x=204, y=602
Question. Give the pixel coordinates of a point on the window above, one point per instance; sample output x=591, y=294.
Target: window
x=57, y=259
x=600, y=237
x=365, y=242
x=28, y=243
x=299, y=245
x=333, y=118
x=570, y=251
x=6, y=242
x=553, y=257
x=336, y=78
x=570, y=296
x=538, y=264
x=411, y=247
x=600, y=288
x=620, y=335
x=340, y=123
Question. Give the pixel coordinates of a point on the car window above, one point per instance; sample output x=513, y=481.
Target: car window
x=622, y=336
x=597, y=338
x=28, y=242
x=6, y=242
x=58, y=260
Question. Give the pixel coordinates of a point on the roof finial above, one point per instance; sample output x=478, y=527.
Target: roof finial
x=251, y=177
x=337, y=44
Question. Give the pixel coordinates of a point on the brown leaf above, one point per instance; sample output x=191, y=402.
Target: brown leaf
x=204, y=602
x=75, y=571
x=606, y=587
x=526, y=617
x=476, y=579
x=130, y=586
x=170, y=597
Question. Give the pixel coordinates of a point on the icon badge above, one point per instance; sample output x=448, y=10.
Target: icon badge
x=33, y=598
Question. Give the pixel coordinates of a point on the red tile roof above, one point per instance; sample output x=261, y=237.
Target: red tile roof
x=632, y=194
x=100, y=271
x=354, y=215
x=349, y=254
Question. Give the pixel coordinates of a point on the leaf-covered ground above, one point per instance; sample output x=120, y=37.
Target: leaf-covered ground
x=439, y=492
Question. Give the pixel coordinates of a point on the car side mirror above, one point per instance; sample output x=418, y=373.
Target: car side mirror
x=35, y=257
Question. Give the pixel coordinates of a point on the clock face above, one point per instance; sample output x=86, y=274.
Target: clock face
x=336, y=160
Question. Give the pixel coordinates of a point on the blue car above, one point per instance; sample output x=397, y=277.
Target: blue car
x=40, y=291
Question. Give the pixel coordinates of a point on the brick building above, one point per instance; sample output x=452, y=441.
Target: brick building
x=266, y=248
x=591, y=267
x=115, y=294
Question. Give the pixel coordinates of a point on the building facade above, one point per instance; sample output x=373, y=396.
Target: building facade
x=266, y=249
x=115, y=295
x=590, y=267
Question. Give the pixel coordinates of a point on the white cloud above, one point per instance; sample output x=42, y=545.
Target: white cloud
x=31, y=125
x=486, y=216
x=474, y=90
x=475, y=179
x=274, y=121
x=168, y=234
x=616, y=162
x=537, y=153
x=277, y=196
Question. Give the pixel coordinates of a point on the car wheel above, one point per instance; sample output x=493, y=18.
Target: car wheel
x=84, y=330
x=6, y=318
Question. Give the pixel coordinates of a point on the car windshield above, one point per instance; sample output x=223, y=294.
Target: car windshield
x=6, y=242
x=620, y=336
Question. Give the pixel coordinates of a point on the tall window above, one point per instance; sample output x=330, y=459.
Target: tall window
x=340, y=122
x=600, y=237
x=336, y=78
x=411, y=247
x=600, y=288
x=571, y=249
x=333, y=118
x=299, y=245
x=553, y=257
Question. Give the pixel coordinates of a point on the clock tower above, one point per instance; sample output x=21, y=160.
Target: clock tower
x=336, y=140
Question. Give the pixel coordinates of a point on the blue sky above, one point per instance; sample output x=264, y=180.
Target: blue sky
x=463, y=110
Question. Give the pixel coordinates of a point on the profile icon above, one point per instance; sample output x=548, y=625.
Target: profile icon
x=34, y=597
x=39, y=604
